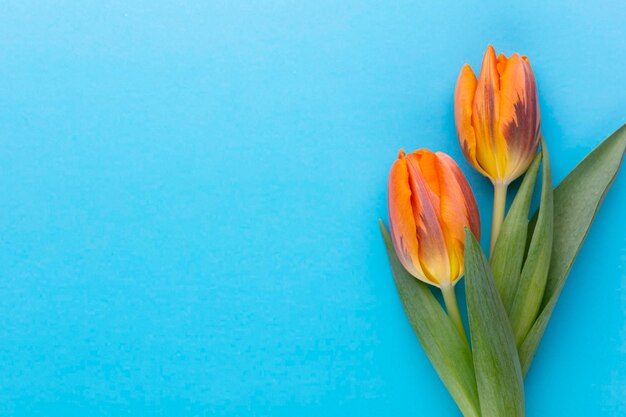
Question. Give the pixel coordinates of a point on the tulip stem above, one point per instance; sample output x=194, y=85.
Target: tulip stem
x=499, y=202
x=449, y=298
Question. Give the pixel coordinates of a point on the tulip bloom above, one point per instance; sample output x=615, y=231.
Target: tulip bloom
x=430, y=204
x=497, y=120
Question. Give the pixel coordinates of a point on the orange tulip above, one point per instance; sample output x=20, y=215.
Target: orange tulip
x=497, y=116
x=497, y=120
x=430, y=204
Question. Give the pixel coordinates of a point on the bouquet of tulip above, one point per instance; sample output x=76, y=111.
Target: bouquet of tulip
x=435, y=224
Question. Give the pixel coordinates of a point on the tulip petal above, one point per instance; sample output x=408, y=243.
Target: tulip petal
x=457, y=209
x=402, y=219
x=463, y=104
x=433, y=252
x=486, y=113
x=519, y=115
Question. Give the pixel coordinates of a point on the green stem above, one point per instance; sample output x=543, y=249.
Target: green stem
x=499, y=202
x=449, y=297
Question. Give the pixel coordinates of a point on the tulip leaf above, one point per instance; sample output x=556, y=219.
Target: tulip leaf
x=496, y=362
x=447, y=350
x=508, y=253
x=576, y=202
x=532, y=281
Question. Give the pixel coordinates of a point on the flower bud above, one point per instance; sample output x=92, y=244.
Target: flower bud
x=430, y=204
x=497, y=116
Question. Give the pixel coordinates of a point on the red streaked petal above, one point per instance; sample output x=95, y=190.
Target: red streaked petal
x=519, y=115
x=433, y=252
x=485, y=113
x=458, y=210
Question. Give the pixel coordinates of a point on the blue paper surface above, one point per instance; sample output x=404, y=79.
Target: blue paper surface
x=190, y=193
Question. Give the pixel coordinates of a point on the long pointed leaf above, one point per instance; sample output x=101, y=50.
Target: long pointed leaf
x=532, y=281
x=496, y=363
x=508, y=253
x=576, y=202
x=447, y=350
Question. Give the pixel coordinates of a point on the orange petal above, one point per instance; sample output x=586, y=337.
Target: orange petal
x=485, y=113
x=463, y=104
x=433, y=253
x=429, y=168
x=402, y=219
x=519, y=116
x=458, y=210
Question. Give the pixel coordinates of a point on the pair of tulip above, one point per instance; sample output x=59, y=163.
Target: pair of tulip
x=430, y=201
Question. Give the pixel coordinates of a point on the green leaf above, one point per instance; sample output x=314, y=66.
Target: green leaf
x=508, y=253
x=532, y=281
x=496, y=363
x=576, y=202
x=447, y=350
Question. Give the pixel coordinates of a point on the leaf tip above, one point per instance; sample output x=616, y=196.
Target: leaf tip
x=469, y=235
x=383, y=230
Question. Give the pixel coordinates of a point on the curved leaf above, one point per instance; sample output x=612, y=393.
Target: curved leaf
x=532, y=281
x=508, y=253
x=576, y=202
x=447, y=350
x=496, y=363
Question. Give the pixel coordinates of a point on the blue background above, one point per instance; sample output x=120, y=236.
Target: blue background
x=190, y=194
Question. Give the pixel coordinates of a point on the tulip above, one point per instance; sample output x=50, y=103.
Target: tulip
x=430, y=204
x=497, y=121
